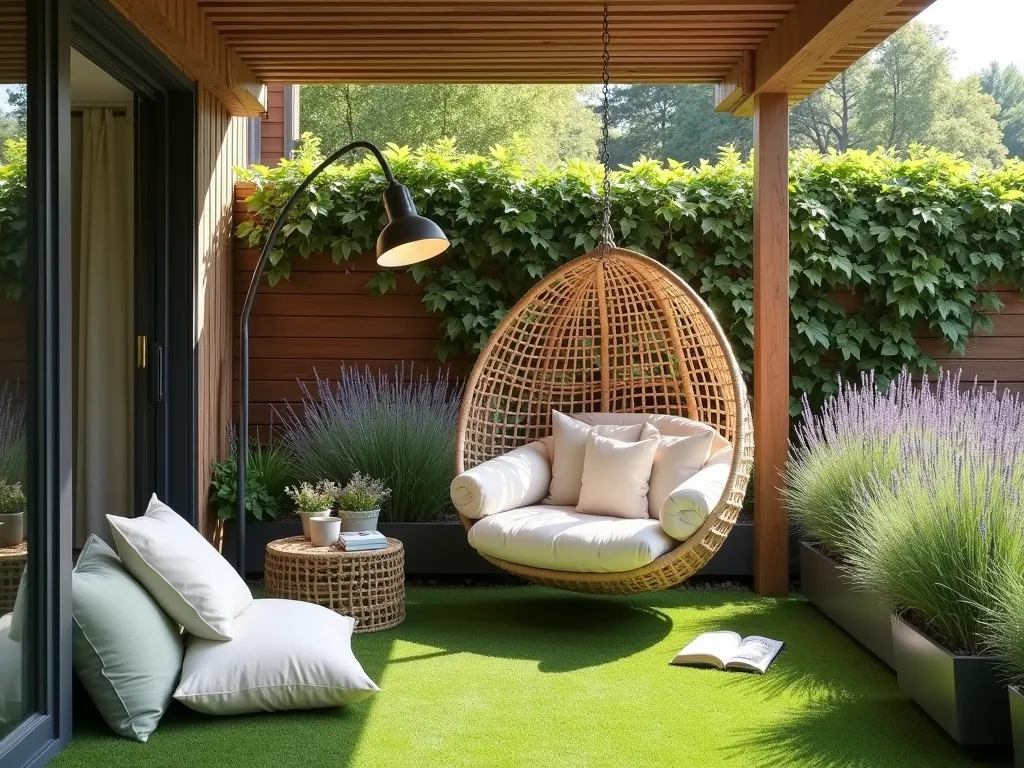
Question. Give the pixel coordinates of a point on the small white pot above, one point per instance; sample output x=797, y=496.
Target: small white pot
x=304, y=516
x=358, y=521
x=324, y=531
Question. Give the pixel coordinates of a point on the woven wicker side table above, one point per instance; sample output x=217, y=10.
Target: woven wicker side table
x=368, y=586
x=12, y=566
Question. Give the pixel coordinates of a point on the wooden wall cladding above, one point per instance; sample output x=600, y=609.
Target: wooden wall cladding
x=221, y=147
x=13, y=343
x=324, y=316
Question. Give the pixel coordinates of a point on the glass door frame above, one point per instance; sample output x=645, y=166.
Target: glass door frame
x=48, y=291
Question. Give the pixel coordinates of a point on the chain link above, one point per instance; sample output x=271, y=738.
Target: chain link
x=607, y=235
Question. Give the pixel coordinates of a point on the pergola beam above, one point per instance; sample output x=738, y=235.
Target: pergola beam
x=771, y=341
x=807, y=38
x=182, y=31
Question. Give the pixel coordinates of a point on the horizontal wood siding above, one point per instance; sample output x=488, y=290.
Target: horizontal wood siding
x=324, y=316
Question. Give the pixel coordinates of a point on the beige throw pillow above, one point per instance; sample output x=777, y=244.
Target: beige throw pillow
x=570, y=449
x=616, y=477
x=676, y=461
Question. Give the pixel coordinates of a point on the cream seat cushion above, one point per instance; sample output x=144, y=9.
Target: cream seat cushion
x=562, y=539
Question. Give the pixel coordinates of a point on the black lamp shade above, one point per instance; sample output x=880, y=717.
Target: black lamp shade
x=408, y=238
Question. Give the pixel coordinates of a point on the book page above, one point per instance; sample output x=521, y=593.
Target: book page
x=710, y=648
x=754, y=653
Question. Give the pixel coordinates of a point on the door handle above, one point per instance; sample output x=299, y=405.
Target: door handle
x=158, y=372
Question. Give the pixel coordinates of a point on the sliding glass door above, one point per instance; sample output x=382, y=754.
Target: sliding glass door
x=35, y=355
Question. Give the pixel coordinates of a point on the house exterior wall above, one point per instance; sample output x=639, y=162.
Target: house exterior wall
x=221, y=147
x=279, y=129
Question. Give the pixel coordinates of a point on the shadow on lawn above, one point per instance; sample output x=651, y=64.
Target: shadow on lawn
x=562, y=632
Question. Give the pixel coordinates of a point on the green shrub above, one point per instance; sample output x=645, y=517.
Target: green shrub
x=269, y=471
x=916, y=237
x=939, y=534
x=393, y=428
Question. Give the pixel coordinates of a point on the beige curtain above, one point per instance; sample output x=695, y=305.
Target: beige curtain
x=103, y=252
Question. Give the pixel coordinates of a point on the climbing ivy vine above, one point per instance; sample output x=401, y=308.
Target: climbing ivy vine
x=915, y=238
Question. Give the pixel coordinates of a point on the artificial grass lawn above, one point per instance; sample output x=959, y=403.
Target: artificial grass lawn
x=532, y=677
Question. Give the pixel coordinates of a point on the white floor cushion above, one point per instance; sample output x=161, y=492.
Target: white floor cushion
x=11, y=674
x=186, y=576
x=285, y=655
x=562, y=539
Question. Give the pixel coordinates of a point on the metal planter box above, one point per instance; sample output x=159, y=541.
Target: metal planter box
x=1017, y=725
x=963, y=694
x=862, y=614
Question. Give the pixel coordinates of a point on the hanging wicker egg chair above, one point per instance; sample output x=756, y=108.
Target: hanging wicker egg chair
x=614, y=332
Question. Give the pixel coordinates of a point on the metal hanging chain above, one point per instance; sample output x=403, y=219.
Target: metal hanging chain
x=607, y=235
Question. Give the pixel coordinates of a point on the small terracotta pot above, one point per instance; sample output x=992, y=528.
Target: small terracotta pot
x=324, y=531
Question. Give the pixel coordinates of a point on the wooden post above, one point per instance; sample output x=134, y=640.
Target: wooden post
x=771, y=340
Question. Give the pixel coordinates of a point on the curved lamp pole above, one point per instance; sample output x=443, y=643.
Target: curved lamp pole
x=408, y=238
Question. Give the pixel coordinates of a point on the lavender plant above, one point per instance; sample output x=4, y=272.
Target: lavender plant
x=399, y=429
x=856, y=433
x=936, y=536
x=12, y=437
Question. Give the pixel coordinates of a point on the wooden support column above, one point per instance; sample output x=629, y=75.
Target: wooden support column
x=771, y=340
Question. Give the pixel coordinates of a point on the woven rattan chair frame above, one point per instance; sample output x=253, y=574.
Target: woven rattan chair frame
x=611, y=331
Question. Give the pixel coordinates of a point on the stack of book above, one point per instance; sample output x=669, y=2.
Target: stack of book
x=361, y=541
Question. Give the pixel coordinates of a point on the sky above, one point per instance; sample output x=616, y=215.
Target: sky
x=980, y=31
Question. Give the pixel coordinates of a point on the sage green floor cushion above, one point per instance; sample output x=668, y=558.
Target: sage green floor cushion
x=126, y=651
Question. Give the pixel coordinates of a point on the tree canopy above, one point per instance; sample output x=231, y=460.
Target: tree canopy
x=547, y=123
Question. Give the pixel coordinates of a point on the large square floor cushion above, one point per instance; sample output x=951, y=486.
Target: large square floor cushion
x=285, y=655
x=11, y=673
x=187, y=577
x=562, y=539
x=126, y=651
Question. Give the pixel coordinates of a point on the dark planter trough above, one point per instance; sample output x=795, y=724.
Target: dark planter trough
x=862, y=614
x=1017, y=724
x=963, y=694
x=430, y=548
x=435, y=549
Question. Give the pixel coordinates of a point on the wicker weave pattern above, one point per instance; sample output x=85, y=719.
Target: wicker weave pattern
x=12, y=566
x=368, y=586
x=612, y=331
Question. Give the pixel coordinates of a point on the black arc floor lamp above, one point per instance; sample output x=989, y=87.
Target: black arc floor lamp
x=407, y=239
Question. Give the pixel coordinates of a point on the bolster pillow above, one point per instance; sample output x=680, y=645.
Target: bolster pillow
x=517, y=479
x=689, y=505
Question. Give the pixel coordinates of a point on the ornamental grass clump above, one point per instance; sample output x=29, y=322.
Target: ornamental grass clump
x=12, y=437
x=1004, y=631
x=856, y=433
x=399, y=429
x=937, y=535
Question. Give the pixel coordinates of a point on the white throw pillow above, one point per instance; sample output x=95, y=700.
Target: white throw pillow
x=285, y=654
x=616, y=477
x=186, y=576
x=676, y=461
x=570, y=449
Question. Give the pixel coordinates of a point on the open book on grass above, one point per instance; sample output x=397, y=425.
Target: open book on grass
x=727, y=650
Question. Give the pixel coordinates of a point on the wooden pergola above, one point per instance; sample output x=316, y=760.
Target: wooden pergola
x=762, y=56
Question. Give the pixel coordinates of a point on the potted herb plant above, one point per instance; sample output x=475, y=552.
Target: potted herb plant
x=835, y=451
x=935, y=540
x=12, y=514
x=359, y=502
x=313, y=501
